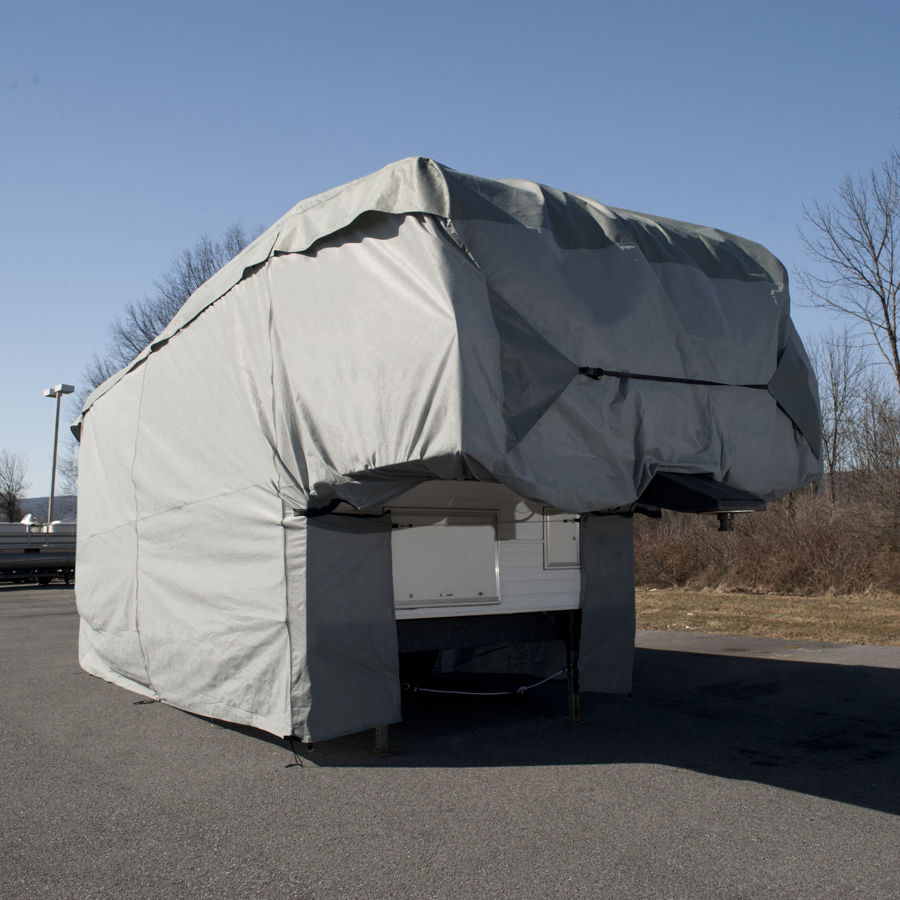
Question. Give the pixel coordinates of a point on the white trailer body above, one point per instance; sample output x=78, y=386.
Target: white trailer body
x=477, y=549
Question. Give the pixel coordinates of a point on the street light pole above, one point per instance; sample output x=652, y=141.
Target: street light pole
x=56, y=392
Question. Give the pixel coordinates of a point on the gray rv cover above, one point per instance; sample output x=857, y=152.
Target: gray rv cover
x=415, y=324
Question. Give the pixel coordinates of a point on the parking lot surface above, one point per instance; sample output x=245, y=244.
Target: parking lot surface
x=733, y=770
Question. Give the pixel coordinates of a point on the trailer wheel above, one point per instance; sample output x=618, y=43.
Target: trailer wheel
x=44, y=579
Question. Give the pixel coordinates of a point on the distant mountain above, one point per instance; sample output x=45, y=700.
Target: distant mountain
x=65, y=507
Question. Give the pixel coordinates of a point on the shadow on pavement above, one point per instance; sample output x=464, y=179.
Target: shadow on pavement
x=826, y=730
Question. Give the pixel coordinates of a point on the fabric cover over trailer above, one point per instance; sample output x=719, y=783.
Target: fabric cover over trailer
x=415, y=324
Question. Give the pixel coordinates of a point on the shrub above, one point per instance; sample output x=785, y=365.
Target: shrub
x=804, y=544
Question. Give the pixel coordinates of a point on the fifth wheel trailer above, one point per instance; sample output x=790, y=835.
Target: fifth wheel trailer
x=457, y=356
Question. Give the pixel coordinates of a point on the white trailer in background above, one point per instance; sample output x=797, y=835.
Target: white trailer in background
x=31, y=551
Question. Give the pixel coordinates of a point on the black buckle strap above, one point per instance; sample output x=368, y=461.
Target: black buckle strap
x=597, y=373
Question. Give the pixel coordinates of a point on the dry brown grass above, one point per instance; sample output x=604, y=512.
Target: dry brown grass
x=804, y=545
x=862, y=619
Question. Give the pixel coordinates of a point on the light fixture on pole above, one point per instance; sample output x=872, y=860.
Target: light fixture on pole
x=56, y=392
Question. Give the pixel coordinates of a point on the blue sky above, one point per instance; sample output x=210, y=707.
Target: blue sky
x=130, y=129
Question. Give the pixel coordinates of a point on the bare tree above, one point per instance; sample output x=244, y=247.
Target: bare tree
x=12, y=485
x=841, y=366
x=856, y=239
x=142, y=321
x=876, y=429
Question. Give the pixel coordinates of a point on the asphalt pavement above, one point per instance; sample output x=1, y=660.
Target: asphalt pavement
x=737, y=768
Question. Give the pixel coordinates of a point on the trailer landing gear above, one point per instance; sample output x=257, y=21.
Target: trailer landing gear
x=382, y=745
x=572, y=644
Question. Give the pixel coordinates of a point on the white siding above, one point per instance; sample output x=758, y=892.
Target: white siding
x=525, y=584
